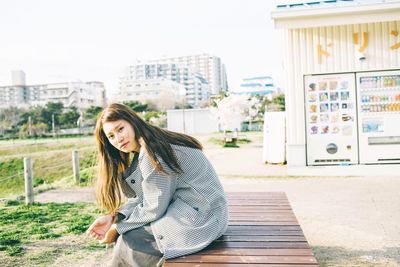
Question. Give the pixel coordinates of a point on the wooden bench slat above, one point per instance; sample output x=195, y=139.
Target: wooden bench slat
x=272, y=199
x=249, y=209
x=262, y=194
x=266, y=196
x=265, y=203
x=257, y=251
x=184, y=264
x=263, y=212
x=286, y=208
x=265, y=227
x=260, y=216
x=280, y=213
x=255, y=238
x=262, y=219
x=247, y=259
x=248, y=206
x=272, y=244
x=242, y=219
x=262, y=231
x=230, y=198
x=262, y=223
x=232, y=201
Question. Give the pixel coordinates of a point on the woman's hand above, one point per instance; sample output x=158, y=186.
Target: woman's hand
x=100, y=227
x=111, y=235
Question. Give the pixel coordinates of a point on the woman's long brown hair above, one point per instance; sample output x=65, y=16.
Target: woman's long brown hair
x=113, y=162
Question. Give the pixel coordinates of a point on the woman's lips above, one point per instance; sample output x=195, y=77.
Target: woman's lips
x=124, y=145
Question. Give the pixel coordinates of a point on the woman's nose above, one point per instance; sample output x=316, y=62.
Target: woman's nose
x=120, y=138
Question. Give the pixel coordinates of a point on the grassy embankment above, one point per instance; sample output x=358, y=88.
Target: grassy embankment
x=42, y=234
x=52, y=163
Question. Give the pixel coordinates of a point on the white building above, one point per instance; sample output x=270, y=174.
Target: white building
x=197, y=90
x=162, y=92
x=258, y=86
x=192, y=121
x=344, y=45
x=79, y=94
x=138, y=77
x=210, y=67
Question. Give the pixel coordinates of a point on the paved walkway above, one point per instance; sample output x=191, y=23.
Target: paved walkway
x=361, y=213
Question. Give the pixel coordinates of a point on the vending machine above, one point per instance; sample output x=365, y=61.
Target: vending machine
x=379, y=116
x=331, y=119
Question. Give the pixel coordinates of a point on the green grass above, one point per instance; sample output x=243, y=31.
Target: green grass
x=11, y=176
x=52, y=162
x=23, y=225
x=21, y=147
x=220, y=141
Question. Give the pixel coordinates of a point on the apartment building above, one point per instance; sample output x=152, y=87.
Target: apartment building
x=137, y=80
x=210, y=67
x=164, y=93
x=79, y=94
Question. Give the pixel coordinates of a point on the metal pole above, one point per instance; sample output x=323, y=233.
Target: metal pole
x=75, y=166
x=28, y=174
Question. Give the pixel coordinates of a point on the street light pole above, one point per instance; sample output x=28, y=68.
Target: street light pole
x=53, y=125
x=29, y=126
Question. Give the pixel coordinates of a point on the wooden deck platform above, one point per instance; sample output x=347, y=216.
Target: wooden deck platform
x=263, y=231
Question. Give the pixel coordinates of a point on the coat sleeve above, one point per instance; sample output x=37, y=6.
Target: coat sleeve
x=128, y=208
x=158, y=190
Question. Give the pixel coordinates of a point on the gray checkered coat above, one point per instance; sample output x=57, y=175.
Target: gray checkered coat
x=186, y=211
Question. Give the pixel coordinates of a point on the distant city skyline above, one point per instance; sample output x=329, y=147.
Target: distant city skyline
x=60, y=41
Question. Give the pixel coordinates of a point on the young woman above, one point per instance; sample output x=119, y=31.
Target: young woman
x=175, y=202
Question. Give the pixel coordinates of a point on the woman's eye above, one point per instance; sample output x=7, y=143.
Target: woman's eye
x=120, y=129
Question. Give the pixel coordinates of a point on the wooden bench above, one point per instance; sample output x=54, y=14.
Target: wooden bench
x=230, y=140
x=262, y=231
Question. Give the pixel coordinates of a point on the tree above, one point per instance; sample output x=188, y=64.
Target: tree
x=92, y=112
x=253, y=110
x=34, y=113
x=10, y=119
x=215, y=99
x=89, y=116
x=69, y=118
x=36, y=130
x=277, y=103
x=232, y=110
x=280, y=101
x=48, y=111
x=137, y=106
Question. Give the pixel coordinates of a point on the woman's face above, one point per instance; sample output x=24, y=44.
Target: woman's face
x=121, y=135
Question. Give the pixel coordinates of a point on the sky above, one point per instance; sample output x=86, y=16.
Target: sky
x=87, y=40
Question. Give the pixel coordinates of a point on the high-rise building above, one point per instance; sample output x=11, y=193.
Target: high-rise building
x=137, y=77
x=79, y=94
x=210, y=67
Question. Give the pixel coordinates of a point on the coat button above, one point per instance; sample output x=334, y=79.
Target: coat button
x=160, y=237
x=132, y=181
